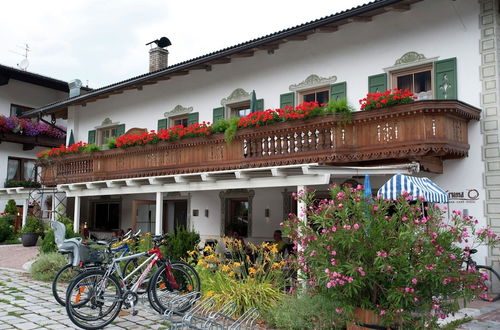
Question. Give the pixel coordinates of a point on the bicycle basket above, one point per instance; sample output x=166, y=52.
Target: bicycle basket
x=90, y=255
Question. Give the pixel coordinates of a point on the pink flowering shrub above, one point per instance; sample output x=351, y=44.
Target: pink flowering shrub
x=398, y=259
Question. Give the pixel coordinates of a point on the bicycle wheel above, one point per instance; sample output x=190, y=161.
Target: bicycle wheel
x=61, y=281
x=93, y=300
x=492, y=283
x=169, y=281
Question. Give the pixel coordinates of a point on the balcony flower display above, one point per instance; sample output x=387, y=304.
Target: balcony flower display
x=228, y=126
x=29, y=127
x=386, y=99
x=398, y=260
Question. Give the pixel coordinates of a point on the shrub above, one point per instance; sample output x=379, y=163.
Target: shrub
x=48, y=243
x=397, y=259
x=250, y=277
x=47, y=265
x=304, y=312
x=6, y=230
x=180, y=242
x=33, y=225
x=10, y=207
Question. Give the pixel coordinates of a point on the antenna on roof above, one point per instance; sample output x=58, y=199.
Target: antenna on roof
x=162, y=42
x=23, y=65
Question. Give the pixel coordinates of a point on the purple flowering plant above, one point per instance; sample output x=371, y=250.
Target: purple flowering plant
x=29, y=127
x=399, y=259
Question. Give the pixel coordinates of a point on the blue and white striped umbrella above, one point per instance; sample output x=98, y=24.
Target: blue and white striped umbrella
x=416, y=187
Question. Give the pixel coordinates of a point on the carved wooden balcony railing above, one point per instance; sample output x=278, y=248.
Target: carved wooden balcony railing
x=425, y=131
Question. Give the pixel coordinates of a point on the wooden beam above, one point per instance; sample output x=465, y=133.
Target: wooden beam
x=296, y=37
x=400, y=7
x=179, y=73
x=223, y=60
x=243, y=54
x=431, y=164
x=327, y=28
x=359, y=19
x=273, y=46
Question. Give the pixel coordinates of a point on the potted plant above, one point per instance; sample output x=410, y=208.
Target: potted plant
x=395, y=263
x=31, y=230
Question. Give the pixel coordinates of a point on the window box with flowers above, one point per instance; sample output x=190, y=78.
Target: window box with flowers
x=30, y=132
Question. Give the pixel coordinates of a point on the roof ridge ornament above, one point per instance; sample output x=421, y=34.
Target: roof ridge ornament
x=313, y=81
x=410, y=57
x=238, y=95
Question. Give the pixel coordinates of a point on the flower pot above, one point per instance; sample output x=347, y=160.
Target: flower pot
x=29, y=239
x=365, y=319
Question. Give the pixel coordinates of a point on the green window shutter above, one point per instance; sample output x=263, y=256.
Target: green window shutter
x=91, y=136
x=218, y=113
x=162, y=124
x=338, y=91
x=120, y=130
x=446, y=79
x=287, y=99
x=193, y=118
x=377, y=83
x=260, y=105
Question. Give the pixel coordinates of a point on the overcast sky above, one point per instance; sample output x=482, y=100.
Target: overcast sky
x=102, y=42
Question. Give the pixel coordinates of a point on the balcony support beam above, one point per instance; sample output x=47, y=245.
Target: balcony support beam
x=159, y=213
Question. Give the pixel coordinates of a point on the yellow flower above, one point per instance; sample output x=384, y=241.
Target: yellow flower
x=252, y=271
x=209, y=293
x=237, y=264
x=191, y=253
x=200, y=262
x=208, y=248
x=148, y=234
x=274, y=248
x=226, y=268
x=231, y=274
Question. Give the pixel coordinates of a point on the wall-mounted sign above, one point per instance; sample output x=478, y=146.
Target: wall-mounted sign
x=465, y=196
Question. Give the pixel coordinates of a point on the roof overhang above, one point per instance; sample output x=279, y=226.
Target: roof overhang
x=265, y=177
x=271, y=42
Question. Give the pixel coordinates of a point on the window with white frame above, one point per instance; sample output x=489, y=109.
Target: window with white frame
x=417, y=80
x=106, y=133
x=21, y=169
x=320, y=95
x=240, y=110
x=178, y=121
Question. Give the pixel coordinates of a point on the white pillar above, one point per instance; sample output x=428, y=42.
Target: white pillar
x=301, y=214
x=53, y=214
x=159, y=214
x=25, y=211
x=76, y=216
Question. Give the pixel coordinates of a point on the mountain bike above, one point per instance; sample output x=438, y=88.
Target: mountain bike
x=68, y=272
x=490, y=276
x=96, y=297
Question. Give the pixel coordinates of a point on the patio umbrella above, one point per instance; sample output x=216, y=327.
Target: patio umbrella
x=71, y=138
x=253, y=102
x=368, y=188
x=416, y=187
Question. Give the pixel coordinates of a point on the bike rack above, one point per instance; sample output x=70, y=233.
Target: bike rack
x=203, y=315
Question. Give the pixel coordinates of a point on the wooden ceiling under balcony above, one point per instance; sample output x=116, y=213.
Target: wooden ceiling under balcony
x=429, y=132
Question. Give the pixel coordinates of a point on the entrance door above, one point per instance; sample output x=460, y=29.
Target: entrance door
x=176, y=212
x=144, y=216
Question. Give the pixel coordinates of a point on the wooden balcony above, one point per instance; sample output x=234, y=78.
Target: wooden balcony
x=29, y=142
x=424, y=131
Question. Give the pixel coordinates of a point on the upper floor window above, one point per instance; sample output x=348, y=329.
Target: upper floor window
x=178, y=120
x=322, y=95
x=104, y=134
x=21, y=169
x=17, y=110
x=416, y=80
x=240, y=110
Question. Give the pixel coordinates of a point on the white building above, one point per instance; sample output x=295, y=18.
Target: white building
x=444, y=50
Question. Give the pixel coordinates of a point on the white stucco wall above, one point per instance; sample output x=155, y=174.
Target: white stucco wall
x=358, y=50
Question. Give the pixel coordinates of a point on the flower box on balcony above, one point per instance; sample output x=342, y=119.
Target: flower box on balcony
x=426, y=131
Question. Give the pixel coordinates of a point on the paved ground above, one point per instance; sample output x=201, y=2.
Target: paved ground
x=28, y=304
x=15, y=256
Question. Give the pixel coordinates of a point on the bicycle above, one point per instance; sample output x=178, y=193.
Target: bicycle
x=490, y=276
x=97, y=296
x=76, y=265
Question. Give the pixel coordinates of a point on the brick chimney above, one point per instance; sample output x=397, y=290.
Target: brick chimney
x=158, y=59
